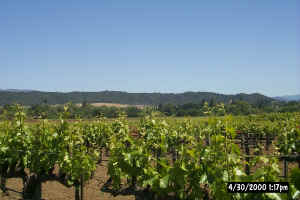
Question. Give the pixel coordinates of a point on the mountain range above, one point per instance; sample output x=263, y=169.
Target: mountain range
x=288, y=98
x=15, y=90
x=30, y=97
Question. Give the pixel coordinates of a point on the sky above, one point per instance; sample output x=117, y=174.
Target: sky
x=172, y=46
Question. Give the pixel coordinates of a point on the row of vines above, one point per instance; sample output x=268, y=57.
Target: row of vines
x=168, y=159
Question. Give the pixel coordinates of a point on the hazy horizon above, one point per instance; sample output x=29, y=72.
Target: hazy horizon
x=60, y=91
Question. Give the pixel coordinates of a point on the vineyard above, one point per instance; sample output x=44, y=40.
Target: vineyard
x=165, y=159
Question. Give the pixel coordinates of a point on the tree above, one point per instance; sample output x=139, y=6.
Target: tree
x=212, y=102
x=169, y=109
x=84, y=104
x=45, y=101
x=132, y=111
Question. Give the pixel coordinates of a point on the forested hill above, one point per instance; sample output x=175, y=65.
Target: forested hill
x=37, y=97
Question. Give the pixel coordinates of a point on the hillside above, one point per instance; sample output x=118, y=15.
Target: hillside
x=36, y=97
x=288, y=98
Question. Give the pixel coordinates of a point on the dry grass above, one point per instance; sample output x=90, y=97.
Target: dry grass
x=114, y=105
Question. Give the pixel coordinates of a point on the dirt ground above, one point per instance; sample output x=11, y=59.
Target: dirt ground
x=53, y=190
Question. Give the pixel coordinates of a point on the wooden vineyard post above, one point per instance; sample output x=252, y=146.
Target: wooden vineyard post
x=242, y=142
x=285, y=164
x=3, y=183
x=158, y=155
x=207, y=140
x=81, y=188
x=174, y=156
x=38, y=189
x=267, y=141
x=285, y=167
x=256, y=139
x=133, y=183
x=106, y=152
x=3, y=179
x=134, y=178
x=100, y=155
x=247, y=151
x=226, y=158
x=77, y=191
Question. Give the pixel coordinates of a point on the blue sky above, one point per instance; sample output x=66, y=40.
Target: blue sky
x=228, y=47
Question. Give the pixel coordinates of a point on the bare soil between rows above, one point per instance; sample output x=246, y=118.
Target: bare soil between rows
x=54, y=190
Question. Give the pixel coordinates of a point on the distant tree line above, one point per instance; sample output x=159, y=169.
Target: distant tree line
x=87, y=111
x=234, y=107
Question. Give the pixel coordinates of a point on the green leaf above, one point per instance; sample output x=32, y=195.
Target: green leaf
x=239, y=172
x=258, y=173
x=4, y=149
x=225, y=176
x=203, y=179
x=183, y=167
x=274, y=196
x=295, y=177
x=164, y=182
x=296, y=195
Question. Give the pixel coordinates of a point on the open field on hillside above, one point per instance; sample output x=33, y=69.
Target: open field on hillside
x=115, y=105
